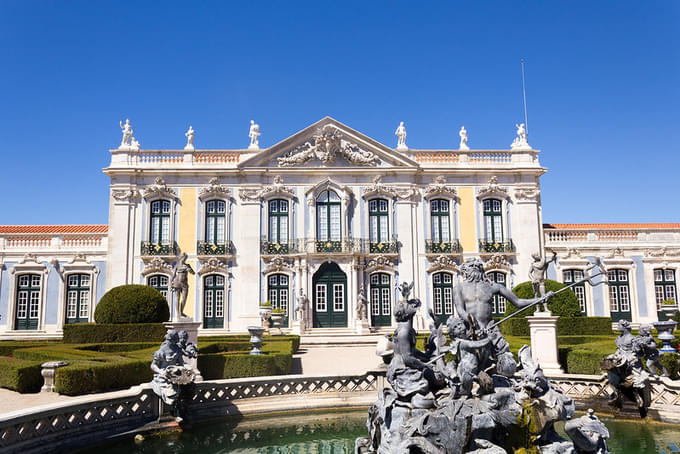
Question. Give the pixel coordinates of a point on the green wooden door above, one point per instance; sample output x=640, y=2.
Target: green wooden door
x=619, y=295
x=213, y=301
x=28, y=302
x=381, y=305
x=330, y=297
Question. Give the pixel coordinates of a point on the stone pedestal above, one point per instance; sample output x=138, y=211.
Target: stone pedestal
x=191, y=327
x=543, y=328
x=296, y=327
x=362, y=327
x=48, y=371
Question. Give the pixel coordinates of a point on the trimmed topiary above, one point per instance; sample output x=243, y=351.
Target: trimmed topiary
x=132, y=304
x=564, y=305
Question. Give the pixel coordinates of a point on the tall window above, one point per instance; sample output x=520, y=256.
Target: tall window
x=160, y=283
x=493, y=220
x=328, y=216
x=499, y=301
x=439, y=213
x=28, y=301
x=159, y=233
x=571, y=276
x=664, y=286
x=277, y=291
x=278, y=221
x=377, y=216
x=442, y=284
x=213, y=301
x=77, y=298
x=619, y=294
x=215, y=221
x=380, y=300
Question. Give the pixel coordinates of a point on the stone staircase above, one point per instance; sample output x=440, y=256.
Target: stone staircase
x=341, y=337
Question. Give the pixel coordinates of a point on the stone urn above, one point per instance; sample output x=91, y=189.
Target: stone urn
x=256, y=339
x=665, y=330
x=277, y=321
x=669, y=310
x=265, y=316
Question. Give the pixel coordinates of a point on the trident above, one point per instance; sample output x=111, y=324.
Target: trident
x=596, y=268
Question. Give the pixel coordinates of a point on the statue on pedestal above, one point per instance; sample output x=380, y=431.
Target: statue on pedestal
x=190, y=138
x=537, y=275
x=362, y=305
x=180, y=284
x=254, y=133
x=520, y=142
x=401, y=136
x=128, y=142
x=463, y=139
x=301, y=308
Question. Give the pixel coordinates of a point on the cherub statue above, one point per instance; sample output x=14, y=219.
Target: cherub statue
x=473, y=357
x=169, y=368
x=649, y=350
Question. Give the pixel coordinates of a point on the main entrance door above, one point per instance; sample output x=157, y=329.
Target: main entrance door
x=330, y=297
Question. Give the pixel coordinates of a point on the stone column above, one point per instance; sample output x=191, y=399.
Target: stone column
x=543, y=329
x=48, y=371
x=247, y=276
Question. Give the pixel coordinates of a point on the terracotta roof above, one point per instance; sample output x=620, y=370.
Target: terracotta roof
x=55, y=229
x=660, y=225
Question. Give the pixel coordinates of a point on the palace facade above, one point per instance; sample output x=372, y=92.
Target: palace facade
x=317, y=220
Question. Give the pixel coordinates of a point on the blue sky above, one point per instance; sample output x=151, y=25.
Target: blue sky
x=602, y=77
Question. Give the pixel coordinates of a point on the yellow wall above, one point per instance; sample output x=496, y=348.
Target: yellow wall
x=468, y=221
x=187, y=238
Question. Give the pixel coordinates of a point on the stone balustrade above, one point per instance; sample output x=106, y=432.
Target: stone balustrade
x=56, y=242
x=565, y=236
x=475, y=157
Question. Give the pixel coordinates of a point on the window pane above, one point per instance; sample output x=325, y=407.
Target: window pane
x=373, y=205
x=84, y=304
x=321, y=297
x=283, y=229
x=283, y=206
x=219, y=303
x=219, y=280
x=166, y=207
x=613, y=299
x=84, y=280
x=273, y=206
x=322, y=222
x=333, y=197
x=624, y=299
x=385, y=279
x=446, y=237
x=670, y=276
x=220, y=230
x=447, y=278
x=375, y=301
x=448, y=300
x=658, y=275
x=434, y=205
x=382, y=205
x=155, y=230
x=373, y=221
x=338, y=297
x=221, y=206
x=73, y=280
x=335, y=222
x=165, y=232
x=670, y=292
x=210, y=230
x=438, y=301
x=35, y=280
x=374, y=279
x=24, y=280
x=273, y=229
x=444, y=205
x=658, y=296
x=623, y=275
x=385, y=301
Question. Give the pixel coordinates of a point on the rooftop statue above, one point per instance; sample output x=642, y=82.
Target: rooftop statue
x=463, y=139
x=254, y=134
x=190, y=138
x=401, y=137
x=520, y=142
x=128, y=142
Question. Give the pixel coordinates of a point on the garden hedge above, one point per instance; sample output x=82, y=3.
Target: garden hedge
x=84, y=333
x=20, y=375
x=564, y=304
x=566, y=326
x=132, y=304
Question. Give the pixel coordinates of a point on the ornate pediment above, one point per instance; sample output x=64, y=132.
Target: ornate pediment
x=379, y=189
x=497, y=262
x=379, y=263
x=156, y=265
x=327, y=145
x=213, y=265
x=442, y=263
x=492, y=190
x=215, y=189
x=159, y=189
x=439, y=188
x=277, y=265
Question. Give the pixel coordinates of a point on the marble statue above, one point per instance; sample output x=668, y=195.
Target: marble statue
x=401, y=137
x=469, y=395
x=537, y=274
x=650, y=351
x=463, y=139
x=301, y=307
x=180, y=284
x=254, y=133
x=362, y=304
x=190, y=138
x=520, y=142
x=625, y=372
x=128, y=142
x=169, y=369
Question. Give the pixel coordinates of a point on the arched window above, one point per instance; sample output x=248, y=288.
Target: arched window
x=442, y=286
x=215, y=222
x=493, y=220
x=571, y=276
x=278, y=221
x=619, y=295
x=378, y=221
x=439, y=215
x=499, y=301
x=213, y=301
x=328, y=220
x=77, y=298
x=27, y=311
x=381, y=301
x=159, y=227
x=159, y=282
x=664, y=286
x=277, y=292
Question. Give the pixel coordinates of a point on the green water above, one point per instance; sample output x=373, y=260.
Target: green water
x=335, y=432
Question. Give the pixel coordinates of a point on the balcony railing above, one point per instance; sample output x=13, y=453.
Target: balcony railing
x=384, y=247
x=331, y=246
x=272, y=248
x=442, y=247
x=149, y=248
x=209, y=248
x=496, y=246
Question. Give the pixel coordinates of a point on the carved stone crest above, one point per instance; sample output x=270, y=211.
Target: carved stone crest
x=276, y=188
x=662, y=252
x=213, y=265
x=156, y=265
x=573, y=253
x=325, y=146
x=497, y=262
x=440, y=188
x=159, y=189
x=492, y=189
x=442, y=262
x=79, y=257
x=125, y=195
x=29, y=257
x=379, y=189
x=408, y=194
x=527, y=194
x=617, y=252
x=379, y=263
x=215, y=189
x=276, y=265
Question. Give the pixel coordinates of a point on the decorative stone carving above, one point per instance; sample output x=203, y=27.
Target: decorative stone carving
x=125, y=195
x=408, y=194
x=573, y=254
x=463, y=139
x=29, y=257
x=215, y=189
x=492, y=189
x=439, y=188
x=497, y=262
x=254, y=134
x=277, y=265
x=156, y=265
x=379, y=263
x=190, y=138
x=80, y=257
x=159, y=189
x=662, y=252
x=275, y=189
x=617, y=252
x=128, y=142
x=520, y=142
x=401, y=137
x=443, y=263
x=527, y=194
x=325, y=146
x=170, y=371
x=213, y=265
x=379, y=189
